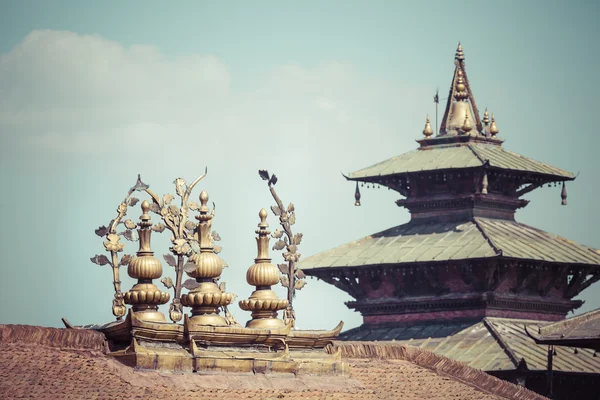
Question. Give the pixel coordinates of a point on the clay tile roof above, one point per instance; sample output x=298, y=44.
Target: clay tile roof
x=47, y=363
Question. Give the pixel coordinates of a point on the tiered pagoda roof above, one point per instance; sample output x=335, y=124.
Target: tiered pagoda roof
x=462, y=254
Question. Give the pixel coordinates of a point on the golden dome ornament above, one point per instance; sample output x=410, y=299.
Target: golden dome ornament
x=493, y=128
x=427, y=131
x=206, y=267
x=263, y=302
x=467, y=126
x=145, y=296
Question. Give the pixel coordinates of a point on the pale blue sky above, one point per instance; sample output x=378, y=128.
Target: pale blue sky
x=93, y=93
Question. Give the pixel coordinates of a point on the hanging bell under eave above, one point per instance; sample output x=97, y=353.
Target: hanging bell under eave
x=563, y=194
x=357, y=196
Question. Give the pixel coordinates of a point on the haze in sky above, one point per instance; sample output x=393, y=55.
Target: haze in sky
x=93, y=93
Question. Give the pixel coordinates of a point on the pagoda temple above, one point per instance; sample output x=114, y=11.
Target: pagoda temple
x=463, y=278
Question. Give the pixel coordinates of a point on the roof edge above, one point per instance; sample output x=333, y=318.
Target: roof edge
x=437, y=363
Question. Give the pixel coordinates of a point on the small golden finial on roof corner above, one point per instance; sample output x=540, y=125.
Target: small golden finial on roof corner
x=493, y=128
x=459, y=56
x=486, y=117
x=467, y=126
x=427, y=131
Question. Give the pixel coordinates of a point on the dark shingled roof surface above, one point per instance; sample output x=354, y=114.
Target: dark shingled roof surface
x=479, y=238
x=48, y=363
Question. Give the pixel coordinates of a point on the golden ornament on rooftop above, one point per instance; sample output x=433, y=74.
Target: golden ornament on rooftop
x=263, y=302
x=493, y=128
x=461, y=89
x=467, y=126
x=145, y=296
x=459, y=56
x=427, y=131
x=486, y=117
x=206, y=266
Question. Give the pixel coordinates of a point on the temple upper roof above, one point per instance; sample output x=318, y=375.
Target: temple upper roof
x=453, y=157
x=464, y=141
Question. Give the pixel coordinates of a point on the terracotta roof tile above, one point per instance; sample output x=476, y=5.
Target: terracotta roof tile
x=46, y=363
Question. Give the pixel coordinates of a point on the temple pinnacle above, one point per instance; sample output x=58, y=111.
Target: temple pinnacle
x=466, y=127
x=459, y=56
x=493, y=128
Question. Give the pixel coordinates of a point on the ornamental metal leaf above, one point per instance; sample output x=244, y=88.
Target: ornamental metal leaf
x=280, y=244
x=101, y=231
x=173, y=210
x=167, y=281
x=273, y=180
x=129, y=224
x=284, y=268
x=276, y=210
x=170, y=260
x=193, y=206
x=290, y=208
x=130, y=235
x=300, y=274
x=285, y=282
x=292, y=219
x=190, y=284
x=299, y=284
x=215, y=236
x=155, y=208
x=126, y=259
x=133, y=201
x=180, y=186
x=195, y=246
x=190, y=225
x=158, y=227
x=297, y=238
x=292, y=248
x=168, y=198
x=277, y=234
x=100, y=259
x=217, y=249
x=189, y=267
x=264, y=174
x=139, y=185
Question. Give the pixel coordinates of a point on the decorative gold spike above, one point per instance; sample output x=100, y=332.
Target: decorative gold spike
x=461, y=89
x=145, y=296
x=459, y=56
x=357, y=196
x=427, y=131
x=563, y=194
x=493, y=128
x=263, y=302
x=466, y=127
x=484, y=184
x=486, y=117
x=206, y=299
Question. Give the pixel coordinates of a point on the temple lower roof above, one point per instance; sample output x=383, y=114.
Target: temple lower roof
x=580, y=331
x=479, y=238
x=452, y=157
x=492, y=344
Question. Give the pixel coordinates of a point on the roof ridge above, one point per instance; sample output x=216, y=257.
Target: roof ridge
x=511, y=354
x=557, y=236
x=434, y=362
x=537, y=161
x=483, y=161
x=65, y=339
x=487, y=237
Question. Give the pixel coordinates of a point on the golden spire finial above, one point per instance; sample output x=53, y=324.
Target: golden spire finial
x=466, y=127
x=493, y=128
x=461, y=89
x=427, y=131
x=357, y=196
x=459, y=56
x=206, y=267
x=486, y=117
x=145, y=297
x=263, y=302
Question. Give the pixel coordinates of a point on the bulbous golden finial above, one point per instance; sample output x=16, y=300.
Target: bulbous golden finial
x=486, y=117
x=493, y=128
x=263, y=302
x=461, y=92
x=427, y=131
x=460, y=56
x=203, y=197
x=466, y=127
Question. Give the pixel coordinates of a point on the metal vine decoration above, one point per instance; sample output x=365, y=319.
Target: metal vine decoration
x=114, y=246
x=292, y=278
